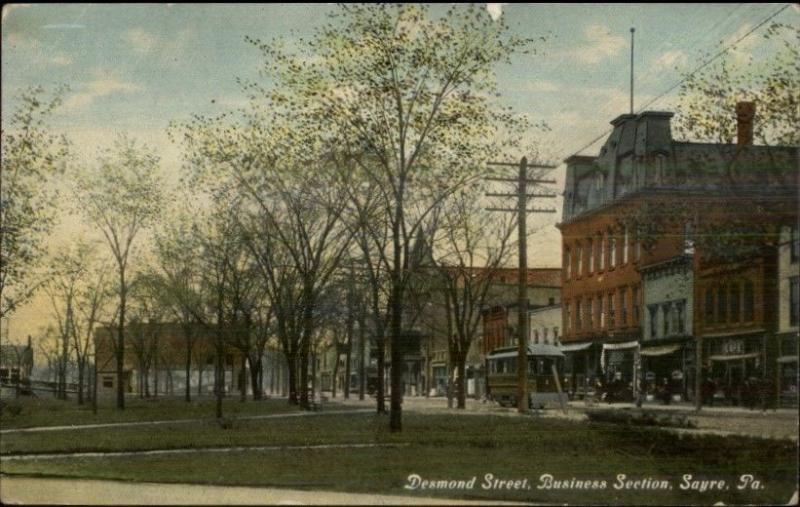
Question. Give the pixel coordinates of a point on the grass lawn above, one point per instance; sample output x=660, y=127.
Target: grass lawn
x=51, y=412
x=439, y=447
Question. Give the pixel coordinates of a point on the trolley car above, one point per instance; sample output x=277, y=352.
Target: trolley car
x=501, y=373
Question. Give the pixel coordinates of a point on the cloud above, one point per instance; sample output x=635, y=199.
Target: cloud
x=495, y=10
x=141, y=40
x=64, y=26
x=600, y=45
x=671, y=59
x=103, y=84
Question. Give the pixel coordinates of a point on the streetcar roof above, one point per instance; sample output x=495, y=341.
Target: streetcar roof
x=536, y=349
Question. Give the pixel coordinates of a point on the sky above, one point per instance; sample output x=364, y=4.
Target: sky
x=135, y=68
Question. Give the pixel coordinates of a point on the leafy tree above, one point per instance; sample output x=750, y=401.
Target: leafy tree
x=413, y=93
x=121, y=195
x=31, y=156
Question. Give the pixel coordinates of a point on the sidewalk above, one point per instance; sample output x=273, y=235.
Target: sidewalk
x=41, y=491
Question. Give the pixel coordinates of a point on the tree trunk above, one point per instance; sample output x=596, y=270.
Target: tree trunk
x=81, y=371
x=362, y=365
x=255, y=378
x=396, y=373
x=380, y=388
x=461, y=384
x=335, y=376
x=219, y=384
x=188, y=394
x=120, y=352
x=242, y=378
x=304, y=356
x=291, y=366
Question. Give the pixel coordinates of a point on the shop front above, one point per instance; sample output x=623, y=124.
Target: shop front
x=735, y=370
x=667, y=370
x=620, y=364
x=581, y=369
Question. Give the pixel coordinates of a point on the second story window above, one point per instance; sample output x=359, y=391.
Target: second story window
x=611, y=311
x=680, y=315
x=590, y=313
x=568, y=263
x=601, y=252
x=567, y=323
x=578, y=315
x=590, y=255
x=653, y=309
x=579, y=259
x=735, y=305
x=722, y=304
x=612, y=252
x=625, y=246
x=623, y=307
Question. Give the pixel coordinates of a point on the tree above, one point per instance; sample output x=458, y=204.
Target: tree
x=121, y=195
x=469, y=247
x=31, y=156
x=412, y=93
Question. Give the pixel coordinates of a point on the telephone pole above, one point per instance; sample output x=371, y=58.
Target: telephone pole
x=522, y=211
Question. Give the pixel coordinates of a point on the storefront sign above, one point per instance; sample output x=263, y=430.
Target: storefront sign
x=732, y=347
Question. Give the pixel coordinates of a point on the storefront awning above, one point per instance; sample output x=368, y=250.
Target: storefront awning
x=663, y=350
x=619, y=346
x=735, y=357
x=787, y=359
x=574, y=347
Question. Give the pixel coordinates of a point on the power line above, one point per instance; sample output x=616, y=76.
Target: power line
x=692, y=73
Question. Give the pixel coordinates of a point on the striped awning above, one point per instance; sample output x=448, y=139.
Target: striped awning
x=619, y=346
x=663, y=350
x=787, y=359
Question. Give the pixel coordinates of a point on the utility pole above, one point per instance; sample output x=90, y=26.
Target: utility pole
x=522, y=211
x=632, y=32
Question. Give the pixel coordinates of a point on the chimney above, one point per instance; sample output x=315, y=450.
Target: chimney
x=745, y=112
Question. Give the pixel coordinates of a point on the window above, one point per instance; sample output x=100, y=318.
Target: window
x=544, y=331
x=667, y=310
x=660, y=166
x=623, y=307
x=555, y=335
x=680, y=317
x=722, y=304
x=568, y=263
x=611, y=311
x=625, y=246
x=601, y=252
x=602, y=310
x=735, y=306
x=108, y=381
x=635, y=303
x=590, y=313
x=612, y=252
x=688, y=239
x=653, y=309
x=535, y=336
x=578, y=315
x=567, y=323
x=794, y=237
x=749, y=301
x=590, y=255
x=794, y=301
x=551, y=301
x=579, y=258
x=637, y=252
x=708, y=307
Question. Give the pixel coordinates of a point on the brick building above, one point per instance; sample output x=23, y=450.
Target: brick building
x=634, y=299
